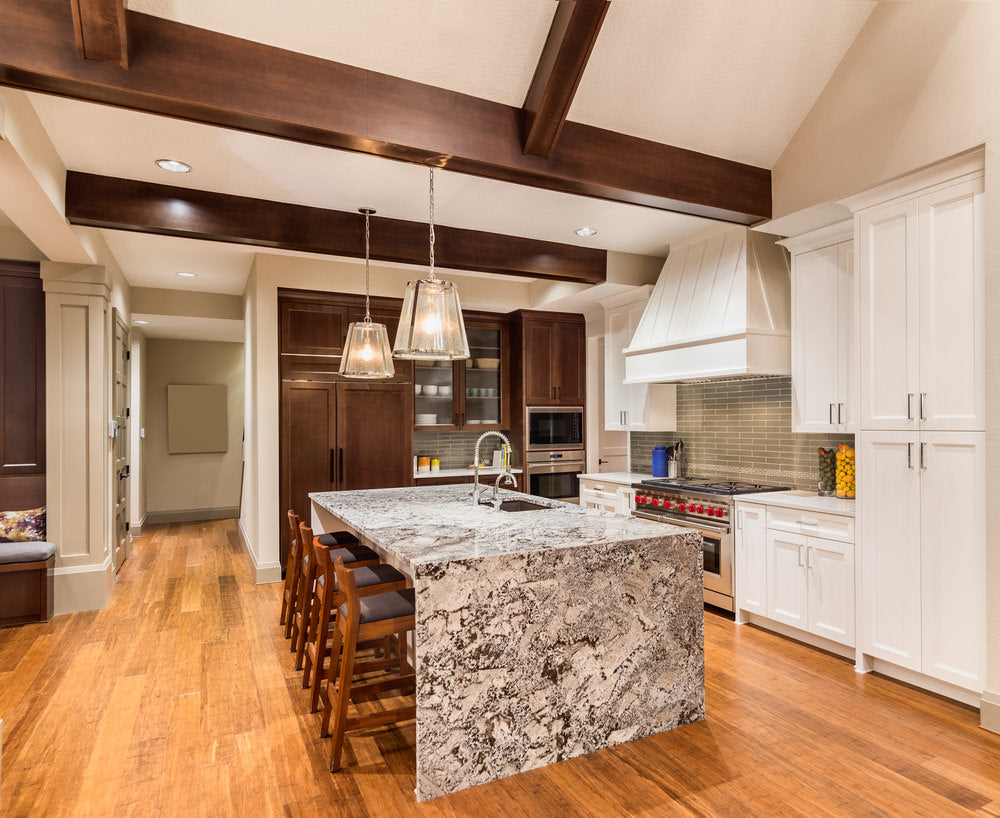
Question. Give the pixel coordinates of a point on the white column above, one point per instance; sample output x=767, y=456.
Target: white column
x=78, y=449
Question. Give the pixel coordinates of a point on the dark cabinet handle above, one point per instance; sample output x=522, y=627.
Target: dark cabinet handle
x=341, y=459
x=333, y=465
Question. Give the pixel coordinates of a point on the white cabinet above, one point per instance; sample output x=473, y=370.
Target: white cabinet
x=922, y=320
x=796, y=568
x=751, y=559
x=823, y=330
x=923, y=564
x=606, y=495
x=639, y=407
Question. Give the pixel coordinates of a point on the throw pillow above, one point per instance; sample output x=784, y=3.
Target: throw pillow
x=23, y=526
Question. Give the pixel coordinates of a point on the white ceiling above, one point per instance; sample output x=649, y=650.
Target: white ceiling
x=733, y=78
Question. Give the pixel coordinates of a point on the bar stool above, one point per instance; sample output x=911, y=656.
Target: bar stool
x=370, y=580
x=355, y=555
x=289, y=590
x=361, y=619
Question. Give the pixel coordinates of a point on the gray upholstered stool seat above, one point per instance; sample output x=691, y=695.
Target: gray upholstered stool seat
x=369, y=575
x=380, y=607
x=356, y=553
x=334, y=538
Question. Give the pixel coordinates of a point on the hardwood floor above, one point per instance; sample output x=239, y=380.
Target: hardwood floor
x=180, y=699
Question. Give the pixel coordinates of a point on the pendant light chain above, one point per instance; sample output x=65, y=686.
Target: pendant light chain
x=368, y=313
x=432, y=224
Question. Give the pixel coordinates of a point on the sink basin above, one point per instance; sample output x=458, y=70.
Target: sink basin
x=521, y=505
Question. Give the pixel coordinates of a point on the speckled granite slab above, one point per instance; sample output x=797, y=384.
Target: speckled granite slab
x=541, y=635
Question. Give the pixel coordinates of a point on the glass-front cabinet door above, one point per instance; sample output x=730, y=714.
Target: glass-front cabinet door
x=435, y=402
x=471, y=395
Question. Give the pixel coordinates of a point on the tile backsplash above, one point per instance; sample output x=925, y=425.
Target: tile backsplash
x=739, y=430
x=455, y=449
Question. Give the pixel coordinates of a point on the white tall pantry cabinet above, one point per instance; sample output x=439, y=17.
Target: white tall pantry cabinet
x=921, y=463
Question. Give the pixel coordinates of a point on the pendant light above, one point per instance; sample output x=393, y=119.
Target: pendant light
x=366, y=352
x=431, y=326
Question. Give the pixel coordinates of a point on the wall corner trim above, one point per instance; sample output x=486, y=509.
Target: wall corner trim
x=989, y=711
x=263, y=572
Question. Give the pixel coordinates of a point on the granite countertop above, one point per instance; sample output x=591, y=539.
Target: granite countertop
x=807, y=500
x=424, y=526
x=483, y=472
x=621, y=478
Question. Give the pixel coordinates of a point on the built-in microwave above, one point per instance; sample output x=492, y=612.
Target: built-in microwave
x=548, y=428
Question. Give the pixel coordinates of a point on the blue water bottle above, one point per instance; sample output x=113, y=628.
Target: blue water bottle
x=660, y=461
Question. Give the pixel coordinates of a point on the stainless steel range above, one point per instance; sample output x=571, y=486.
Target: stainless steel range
x=707, y=507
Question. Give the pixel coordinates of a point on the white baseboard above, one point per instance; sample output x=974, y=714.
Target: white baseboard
x=135, y=529
x=263, y=572
x=191, y=515
x=949, y=691
x=845, y=651
x=82, y=587
x=989, y=711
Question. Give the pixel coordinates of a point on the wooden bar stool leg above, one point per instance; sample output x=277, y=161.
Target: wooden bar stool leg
x=329, y=692
x=343, y=697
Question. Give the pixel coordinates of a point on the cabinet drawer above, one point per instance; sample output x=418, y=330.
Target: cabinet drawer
x=796, y=521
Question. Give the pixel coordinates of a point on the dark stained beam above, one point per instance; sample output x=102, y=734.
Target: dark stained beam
x=560, y=67
x=124, y=204
x=202, y=76
x=100, y=31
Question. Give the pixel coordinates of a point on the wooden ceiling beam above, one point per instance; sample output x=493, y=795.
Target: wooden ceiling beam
x=203, y=76
x=560, y=68
x=100, y=31
x=125, y=204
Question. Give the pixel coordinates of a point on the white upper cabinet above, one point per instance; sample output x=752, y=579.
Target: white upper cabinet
x=639, y=407
x=823, y=336
x=921, y=277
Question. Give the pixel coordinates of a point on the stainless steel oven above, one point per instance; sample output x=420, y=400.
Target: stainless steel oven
x=555, y=474
x=706, y=507
x=554, y=428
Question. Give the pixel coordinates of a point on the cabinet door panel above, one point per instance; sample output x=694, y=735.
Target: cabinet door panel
x=953, y=557
x=952, y=311
x=889, y=534
x=569, y=355
x=889, y=314
x=786, y=579
x=308, y=410
x=816, y=332
x=751, y=559
x=617, y=397
x=538, y=364
x=374, y=435
x=848, y=338
x=831, y=590
x=312, y=328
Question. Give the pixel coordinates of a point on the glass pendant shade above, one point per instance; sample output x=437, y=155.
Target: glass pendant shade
x=367, y=353
x=431, y=326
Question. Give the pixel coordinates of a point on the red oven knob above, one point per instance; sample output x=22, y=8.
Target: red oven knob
x=701, y=509
x=709, y=511
x=666, y=504
x=656, y=502
x=640, y=499
x=718, y=512
x=682, y=507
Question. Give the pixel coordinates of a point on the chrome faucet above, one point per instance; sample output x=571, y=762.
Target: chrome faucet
x=475, y=458
x=507, y=476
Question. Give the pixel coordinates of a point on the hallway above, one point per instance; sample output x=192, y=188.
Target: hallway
x=180, y=700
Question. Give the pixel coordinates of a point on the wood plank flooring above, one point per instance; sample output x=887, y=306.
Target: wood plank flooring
x=180, y=699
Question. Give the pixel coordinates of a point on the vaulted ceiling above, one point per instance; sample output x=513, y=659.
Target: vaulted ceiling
x=680, y=110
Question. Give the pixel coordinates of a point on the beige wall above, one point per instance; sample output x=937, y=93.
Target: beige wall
x=137, y=389
x=919, y=84
x=191, y=482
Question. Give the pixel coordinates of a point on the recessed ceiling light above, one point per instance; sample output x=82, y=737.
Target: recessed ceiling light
x=586, y=231
x=174, y=165
x=140, y=321
x=187, y=275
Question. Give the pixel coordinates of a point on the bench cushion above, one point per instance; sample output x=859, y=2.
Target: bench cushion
x=11, y=552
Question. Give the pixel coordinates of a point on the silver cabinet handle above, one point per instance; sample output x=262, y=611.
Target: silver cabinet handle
x=831, y=414
x=800, y=556
x=923, y=400
x=909, y=406
x=739, y=518
x=840, y=408
x=809, y=558
x=923, y=448
x=909, y=455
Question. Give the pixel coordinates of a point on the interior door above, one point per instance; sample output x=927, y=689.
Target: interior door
x=122, y=469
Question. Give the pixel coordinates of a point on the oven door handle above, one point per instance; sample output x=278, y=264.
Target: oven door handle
x=706, y=528
x=562, y=467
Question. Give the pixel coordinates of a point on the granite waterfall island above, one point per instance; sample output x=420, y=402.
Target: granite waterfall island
x=541, y=635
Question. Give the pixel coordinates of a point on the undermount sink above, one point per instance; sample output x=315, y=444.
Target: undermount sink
x=521, y=505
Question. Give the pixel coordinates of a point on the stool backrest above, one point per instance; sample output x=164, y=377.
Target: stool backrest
x=308, y=549
x=348, y=586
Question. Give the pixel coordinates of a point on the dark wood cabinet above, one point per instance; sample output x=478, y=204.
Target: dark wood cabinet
x=22, y=374
x=477, y=389
x=310, y=327
x=553, y=358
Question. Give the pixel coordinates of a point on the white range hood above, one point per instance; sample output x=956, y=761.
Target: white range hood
x=720, y=310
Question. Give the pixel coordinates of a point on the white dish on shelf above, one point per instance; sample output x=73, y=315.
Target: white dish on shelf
x=416, y=389
x=426, y=420
x=444, y=390
x=430, y=389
